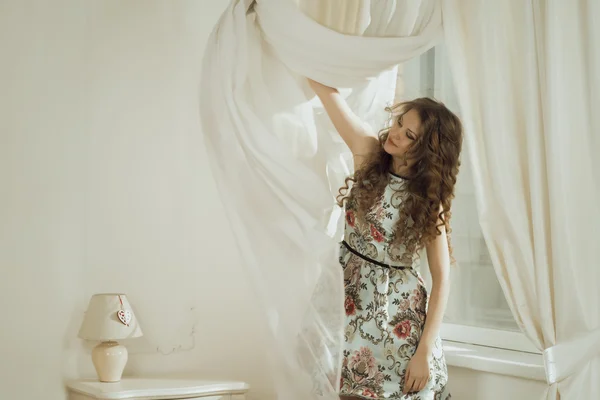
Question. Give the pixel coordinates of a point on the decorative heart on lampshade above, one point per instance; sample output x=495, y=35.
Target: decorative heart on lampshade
x=124, y=316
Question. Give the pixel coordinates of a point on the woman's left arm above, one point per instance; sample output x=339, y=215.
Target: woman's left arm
x=438, y=257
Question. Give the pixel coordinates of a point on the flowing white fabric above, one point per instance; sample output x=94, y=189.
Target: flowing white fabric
x=278, y=163
x=528, y=86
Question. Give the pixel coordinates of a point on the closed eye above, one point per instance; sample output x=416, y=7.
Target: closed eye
x=409, y=134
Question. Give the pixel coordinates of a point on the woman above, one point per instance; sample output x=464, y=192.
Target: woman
x=398, y=204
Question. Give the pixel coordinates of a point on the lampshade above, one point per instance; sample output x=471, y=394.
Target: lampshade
x=109, y=317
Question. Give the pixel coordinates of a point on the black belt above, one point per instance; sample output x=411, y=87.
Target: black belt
x=370, y=260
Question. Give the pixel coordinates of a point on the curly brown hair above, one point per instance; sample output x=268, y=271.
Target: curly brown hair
x=429, y=186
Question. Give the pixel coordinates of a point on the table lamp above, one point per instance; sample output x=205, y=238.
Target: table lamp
x=109, y=318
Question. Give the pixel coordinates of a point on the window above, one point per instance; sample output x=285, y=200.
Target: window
x=477, y=310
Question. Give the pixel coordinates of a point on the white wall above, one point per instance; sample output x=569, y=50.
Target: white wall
x=468, y=384
x=105, y=187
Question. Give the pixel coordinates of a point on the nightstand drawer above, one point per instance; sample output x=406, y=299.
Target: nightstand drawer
x=220, y=397
x=78, y=396
x=156, y=389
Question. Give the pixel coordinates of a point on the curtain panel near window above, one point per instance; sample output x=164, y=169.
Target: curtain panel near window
x=528, y=85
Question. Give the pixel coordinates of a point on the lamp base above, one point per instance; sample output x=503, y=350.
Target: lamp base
x=109, y=359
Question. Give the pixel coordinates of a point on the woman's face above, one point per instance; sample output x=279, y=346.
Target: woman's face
x=404, y=131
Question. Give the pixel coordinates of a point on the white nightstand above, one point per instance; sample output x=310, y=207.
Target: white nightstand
x=156, y=389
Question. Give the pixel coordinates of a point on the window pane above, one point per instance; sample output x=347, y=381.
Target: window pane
x=476, y=297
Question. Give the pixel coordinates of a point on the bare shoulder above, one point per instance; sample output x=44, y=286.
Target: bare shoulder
x=363, y=148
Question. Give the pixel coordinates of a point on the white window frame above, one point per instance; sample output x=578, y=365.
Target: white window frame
x=480, y=336
x=459, y=333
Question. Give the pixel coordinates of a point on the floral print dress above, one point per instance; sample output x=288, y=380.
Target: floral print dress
x=386, y=303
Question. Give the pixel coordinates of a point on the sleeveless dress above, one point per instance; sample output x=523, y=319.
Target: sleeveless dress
x=385, y=303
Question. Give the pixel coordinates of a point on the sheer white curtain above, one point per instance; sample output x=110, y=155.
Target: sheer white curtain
x=278, y=164
x=528, y=87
